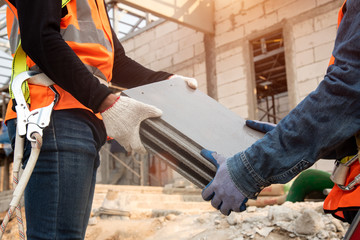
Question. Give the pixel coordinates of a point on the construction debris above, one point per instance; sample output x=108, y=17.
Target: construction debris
x=184, y=216
x=153, y=213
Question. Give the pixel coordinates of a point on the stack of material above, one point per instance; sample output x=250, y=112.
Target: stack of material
x=191, y=121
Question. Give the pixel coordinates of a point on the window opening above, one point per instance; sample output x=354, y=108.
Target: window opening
x=270, y=77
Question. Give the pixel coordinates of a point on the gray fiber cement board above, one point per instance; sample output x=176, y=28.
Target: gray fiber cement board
x=191, y=121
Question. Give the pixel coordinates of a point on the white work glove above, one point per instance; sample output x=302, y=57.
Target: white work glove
x=122, y=122
x=191, y=82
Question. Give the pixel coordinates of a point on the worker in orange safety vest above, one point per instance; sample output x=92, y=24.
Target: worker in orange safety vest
x=72, y=44
x=344, y=202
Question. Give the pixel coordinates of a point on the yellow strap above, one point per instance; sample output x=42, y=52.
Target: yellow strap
x=64, y=2
x=346, y=159
x=19, y=65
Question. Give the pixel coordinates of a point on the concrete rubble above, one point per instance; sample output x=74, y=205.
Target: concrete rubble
x=179, y=217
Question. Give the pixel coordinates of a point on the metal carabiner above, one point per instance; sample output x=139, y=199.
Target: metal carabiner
x=351, y=184
x=341, y=172
x=35, y=121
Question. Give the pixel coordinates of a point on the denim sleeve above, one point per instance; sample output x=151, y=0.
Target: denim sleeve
x=324, y=119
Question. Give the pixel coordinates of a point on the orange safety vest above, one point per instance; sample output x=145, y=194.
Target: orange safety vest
x=88, y=34
x=340, y=200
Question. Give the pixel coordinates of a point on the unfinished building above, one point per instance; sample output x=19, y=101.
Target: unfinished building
x=258, y=58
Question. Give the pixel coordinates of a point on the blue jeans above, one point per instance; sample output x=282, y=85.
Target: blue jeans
x=59, y=194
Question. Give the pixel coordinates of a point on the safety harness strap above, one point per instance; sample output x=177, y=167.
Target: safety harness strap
x=19, y=65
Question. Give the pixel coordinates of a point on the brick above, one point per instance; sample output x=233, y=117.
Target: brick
x=230, y=75
x=233, y=101
x=199, y=48
x=159, y=43
x=182, y=32
x=224, y=26
x=321, y=2
x=326, y=20
x=303, y=28
x=250, y=4
x=296, y=8
x=249, y=15
x=223, y=14
x=230, y=36
x=235, y=8
x=201, y=79
x=203, y=87
x=142, y=50
x=315, y=39
x=229, y=63
x=311, y=71
x=149, y=58
x=307, y=87
x=199, y=68
x=305, y=57
x=144, y=55
x=161, y=64
x=232, y=88
x=167, y=50
x=128, y=45
x=274, y=5
x=323, y=52
x=190, y=40
x=144, y=38
x=242, y=111
x=229, y=53
x=187, y=72
x=220, y=4
x=165, y=28
x=261, y=23
x=183, y=55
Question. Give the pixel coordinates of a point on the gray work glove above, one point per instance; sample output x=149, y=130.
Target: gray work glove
x=122, y=122
x=222, y=192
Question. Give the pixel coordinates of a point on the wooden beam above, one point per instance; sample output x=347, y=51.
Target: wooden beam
x=196, y=14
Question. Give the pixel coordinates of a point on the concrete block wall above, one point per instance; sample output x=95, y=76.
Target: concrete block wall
x=314, y=40
x=170, y=47
x=309, y=28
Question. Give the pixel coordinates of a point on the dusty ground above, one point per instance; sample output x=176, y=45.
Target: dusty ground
x=154, y=215
x=253, y=224
x=256, y=224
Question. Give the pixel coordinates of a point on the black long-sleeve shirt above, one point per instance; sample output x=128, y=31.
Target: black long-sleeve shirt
x=39, y=22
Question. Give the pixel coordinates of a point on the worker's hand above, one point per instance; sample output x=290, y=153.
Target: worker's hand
x=122, y=122
x=263, y=127
x=222, y=192
x=191, y=82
